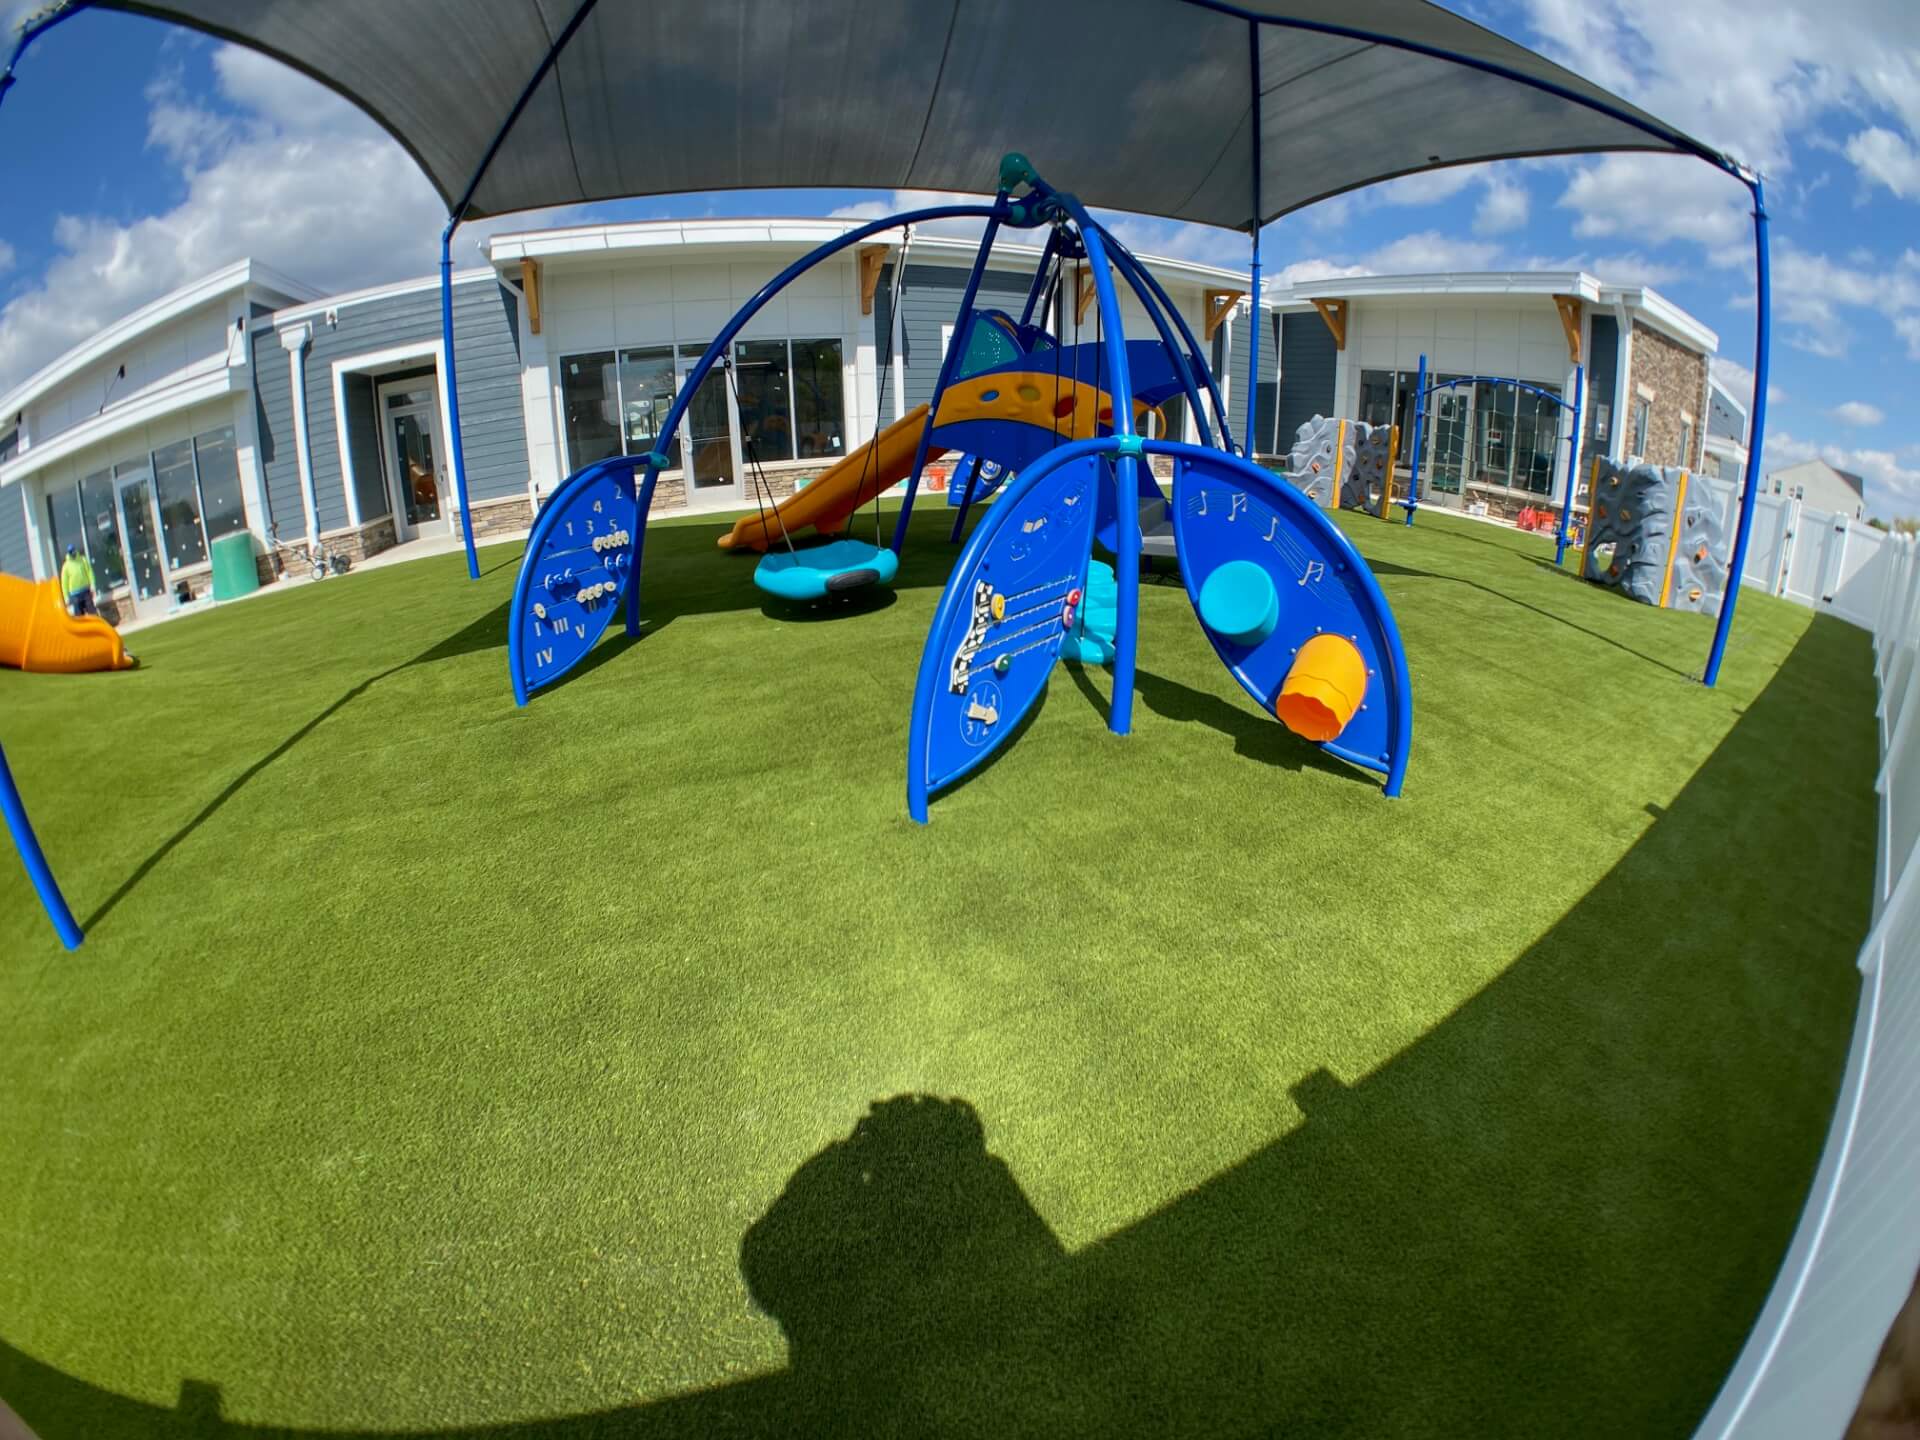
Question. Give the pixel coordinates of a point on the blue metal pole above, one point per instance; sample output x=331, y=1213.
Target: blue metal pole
x=1762, y=345
x=1412, y=502
x=1040, y=277
x=1573, y=464
x=453, y=396
x=1117, y=250
x=948, y=364
x=1126, y=476
x=32, y=30
x=1253, y=338
x=1131, y=269
x=35, y=859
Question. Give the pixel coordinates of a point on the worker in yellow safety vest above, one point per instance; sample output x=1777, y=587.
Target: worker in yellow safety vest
x=76, y=582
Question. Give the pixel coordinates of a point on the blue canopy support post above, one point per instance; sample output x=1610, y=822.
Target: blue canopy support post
x=1126, y=477
x=1253, y=336
x=31, y=31
x=948, y=364
x=1573, y=465
x=1762, y=344
x=459, y=456
x=1412, y=502
x=1040, y=274
x=35, y=859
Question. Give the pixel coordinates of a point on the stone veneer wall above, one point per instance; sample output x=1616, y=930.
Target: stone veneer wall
x=1677, y=377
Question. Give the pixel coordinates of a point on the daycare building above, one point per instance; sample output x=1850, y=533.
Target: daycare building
x=247, y=402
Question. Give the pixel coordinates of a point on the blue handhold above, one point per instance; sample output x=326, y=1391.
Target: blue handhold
x=657, y=459
x=1238, y=602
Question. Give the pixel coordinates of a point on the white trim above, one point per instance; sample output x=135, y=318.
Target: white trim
x=240, y=275
x=591, y=241
x=205, y=380
x=36, y=560
x=392, y=355
x=317, y=310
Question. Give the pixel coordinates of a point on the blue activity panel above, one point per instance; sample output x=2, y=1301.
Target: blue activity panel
x=582, y=555
x=1269, y=575
x=1013, y=598
x=992, y=474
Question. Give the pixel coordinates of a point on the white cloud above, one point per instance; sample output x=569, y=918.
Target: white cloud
x=1907, y=327
x=299, y=180
x=1306, y=272
x=1428, y=252
x=1858, y=413
x=1886, y=158
x=1739, y=380
x=1502, y=208
x=1814, y=293
x=1656, y=198
x=8, y=256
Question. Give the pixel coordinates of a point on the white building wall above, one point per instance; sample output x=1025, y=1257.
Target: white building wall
x=151, y=360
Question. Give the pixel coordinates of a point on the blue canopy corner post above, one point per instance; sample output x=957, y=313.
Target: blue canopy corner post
x=459, y=455
x=1252, y=400
x=1412, y=502
x=1756, y=436
x=35, y=860
x=1573, y=465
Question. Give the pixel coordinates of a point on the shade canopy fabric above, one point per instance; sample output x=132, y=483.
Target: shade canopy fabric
x=1142, y=105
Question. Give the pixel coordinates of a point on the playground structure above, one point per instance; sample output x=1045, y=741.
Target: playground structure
x=495, y=131
x=38, y=634
x=1266, y=571
x=1345, y=464
x=1422, y=392
x=1655, y=537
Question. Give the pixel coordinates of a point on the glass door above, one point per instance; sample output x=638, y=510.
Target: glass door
x=1450, y=425
x=715, y=472
x=142, y=530
x=412, y=412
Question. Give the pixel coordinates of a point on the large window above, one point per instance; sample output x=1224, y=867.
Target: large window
x=646, y=395
x=766, y=400
x=182, y=540
x=792, y=404
x=63, y=521
x=218, y=467
x=819, y=412
x=103, y=530
x=590, y=393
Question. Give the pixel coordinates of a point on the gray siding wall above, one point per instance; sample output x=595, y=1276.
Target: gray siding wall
x=1238, y=358
x=487, y=353
x=15, y=557
x=1307, y=360
x=932, y=299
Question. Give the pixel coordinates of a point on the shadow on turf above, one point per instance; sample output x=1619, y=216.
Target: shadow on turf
x=1457, y=1243
x=1388, y=567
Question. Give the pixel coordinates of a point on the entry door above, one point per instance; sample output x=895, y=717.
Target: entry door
x=713, y=444
x=142, y=529
x=1451, y=429
x=410, y=421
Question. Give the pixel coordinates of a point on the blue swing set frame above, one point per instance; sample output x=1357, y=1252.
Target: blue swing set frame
x=1423, y=390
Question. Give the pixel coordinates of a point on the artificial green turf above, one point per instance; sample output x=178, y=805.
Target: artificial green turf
x=434, y=1066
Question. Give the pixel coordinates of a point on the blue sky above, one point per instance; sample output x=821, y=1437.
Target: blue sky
x=156, y=156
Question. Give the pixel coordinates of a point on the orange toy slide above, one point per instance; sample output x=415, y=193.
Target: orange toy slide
x=37, y=633
x=834, y=494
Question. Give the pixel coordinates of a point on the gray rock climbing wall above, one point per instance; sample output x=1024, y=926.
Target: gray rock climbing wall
x=1364, y=486
x=1311, y=464
x=1636, y=511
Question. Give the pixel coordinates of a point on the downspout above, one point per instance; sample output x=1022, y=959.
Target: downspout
x=295, y=342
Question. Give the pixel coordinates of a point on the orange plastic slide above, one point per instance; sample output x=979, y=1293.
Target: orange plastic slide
x=37, y=633
x=833, y=495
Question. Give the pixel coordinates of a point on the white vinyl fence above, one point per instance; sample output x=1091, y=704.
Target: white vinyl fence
x=1831, y=563
x=1852, y=1260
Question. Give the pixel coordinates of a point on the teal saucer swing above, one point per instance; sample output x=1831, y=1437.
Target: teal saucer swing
x=814, y=572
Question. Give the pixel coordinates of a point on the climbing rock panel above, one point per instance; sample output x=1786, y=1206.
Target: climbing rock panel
x=1657, y=535
x=1344, y=460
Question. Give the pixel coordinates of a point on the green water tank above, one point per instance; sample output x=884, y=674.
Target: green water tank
x=234, y=574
